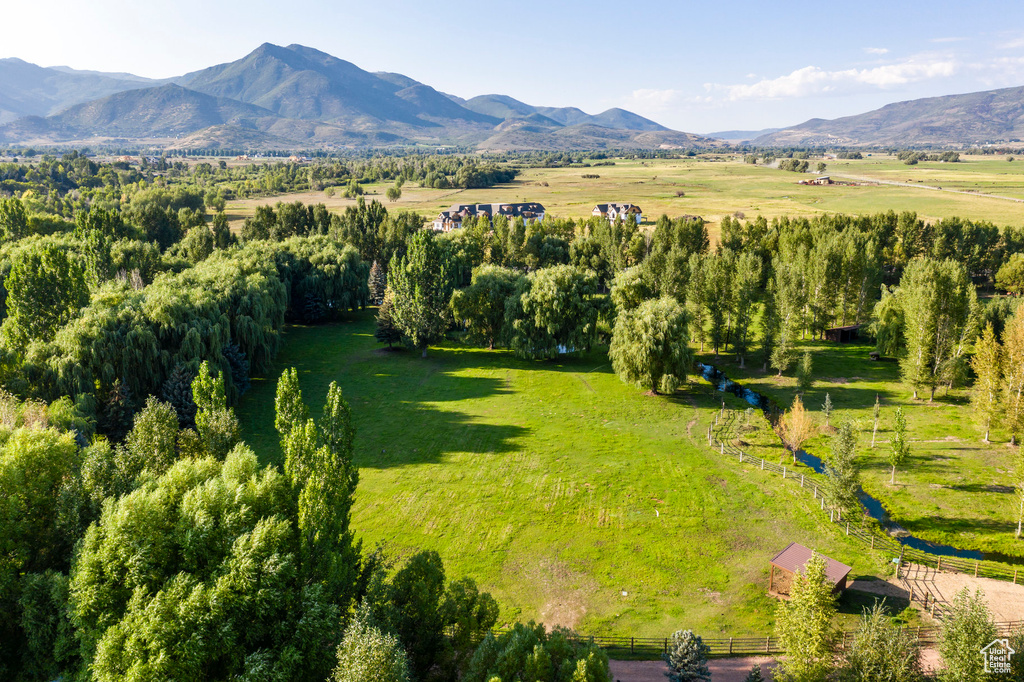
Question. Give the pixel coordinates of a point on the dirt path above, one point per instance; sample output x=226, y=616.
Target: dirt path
x=722, y=669
x=1005, y=600
x=860, y=178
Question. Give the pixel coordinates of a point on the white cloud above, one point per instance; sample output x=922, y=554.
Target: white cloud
x=649, y=99
x=812, y=80
x=876, y=50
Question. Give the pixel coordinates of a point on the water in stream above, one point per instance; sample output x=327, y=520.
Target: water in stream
x=872, y=505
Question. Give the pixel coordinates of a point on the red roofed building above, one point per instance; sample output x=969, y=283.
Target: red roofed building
x=792, y=560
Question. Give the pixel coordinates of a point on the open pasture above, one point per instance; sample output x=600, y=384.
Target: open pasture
x=571, y=496
x=720, y=185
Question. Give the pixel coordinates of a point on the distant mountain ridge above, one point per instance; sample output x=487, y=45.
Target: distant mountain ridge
x=298, y=97
x=991, y=116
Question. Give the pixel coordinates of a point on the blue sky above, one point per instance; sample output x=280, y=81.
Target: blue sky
x=698, y=67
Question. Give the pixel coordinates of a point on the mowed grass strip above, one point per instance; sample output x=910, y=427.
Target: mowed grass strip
x=574, y=498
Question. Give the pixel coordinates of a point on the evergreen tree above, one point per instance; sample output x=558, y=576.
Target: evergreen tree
x=177, y=391
x=966, y=628
x=826, y=409
x=804, y=625
x=755, y=674
x=239, y=364
x=378, y=282
x=688, y=658
x=899, y=447
x=386, y=331
x=116, y=412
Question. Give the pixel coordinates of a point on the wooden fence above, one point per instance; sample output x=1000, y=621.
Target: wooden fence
x=869, y=535
x=758, y=646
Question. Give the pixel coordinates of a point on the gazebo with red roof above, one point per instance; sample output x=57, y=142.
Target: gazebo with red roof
x=792, y=560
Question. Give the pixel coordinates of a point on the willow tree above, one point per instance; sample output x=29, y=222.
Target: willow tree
x=554, y=310
x=650, y=345
x=480, y=307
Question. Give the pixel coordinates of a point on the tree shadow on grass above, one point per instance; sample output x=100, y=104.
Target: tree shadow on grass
x=854, y=602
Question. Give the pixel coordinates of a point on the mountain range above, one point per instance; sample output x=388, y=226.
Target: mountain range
x=294, y=97
x=993, y=116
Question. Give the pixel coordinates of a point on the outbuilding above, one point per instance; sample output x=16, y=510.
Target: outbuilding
x=792, y=560
x=843, y=334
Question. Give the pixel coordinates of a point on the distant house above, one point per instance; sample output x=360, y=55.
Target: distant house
x=618, y=211
x=792, y=560
x=449, y=220
x=823, y=180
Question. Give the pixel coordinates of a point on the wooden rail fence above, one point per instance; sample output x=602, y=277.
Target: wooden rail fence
x=811, y=482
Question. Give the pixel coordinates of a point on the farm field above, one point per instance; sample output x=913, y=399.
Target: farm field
x=954, y=489
x=718, y=186
x=574, y=498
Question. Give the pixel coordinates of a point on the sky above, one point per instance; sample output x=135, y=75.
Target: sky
x=693, y=66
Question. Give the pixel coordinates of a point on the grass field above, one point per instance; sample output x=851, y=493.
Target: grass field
x=954, y=488
x=722, y=186
x=574, y=498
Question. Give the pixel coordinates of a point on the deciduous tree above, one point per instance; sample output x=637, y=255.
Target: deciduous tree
x=987, y=364
x=650, y=345
x=796, y=426
x=966, y=628
x=423, y=287
x=899, y=446
x=804, y=625
x=881, y=651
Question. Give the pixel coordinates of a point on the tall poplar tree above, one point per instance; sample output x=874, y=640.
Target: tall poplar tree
x=1013, y=375
x=987, y=364
x=899, y=447
x=746, y=293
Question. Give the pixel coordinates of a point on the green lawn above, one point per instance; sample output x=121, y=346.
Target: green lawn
x=574, y=498
x=954, y=489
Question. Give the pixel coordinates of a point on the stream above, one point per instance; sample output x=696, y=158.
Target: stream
x=872, y=505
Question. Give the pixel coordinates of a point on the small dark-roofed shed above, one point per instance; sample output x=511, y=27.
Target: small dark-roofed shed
x=842, y=334
x=792, y=560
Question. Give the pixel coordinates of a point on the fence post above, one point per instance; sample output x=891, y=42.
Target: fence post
x=822, y=501
x=872, y=542
x=666, y=645
x=938, y=564
x=815, y=492
x=976, y=568
x=847, y=527
x=801, y=480
x=762, y=464
x=832, y=515
x=730, y=646
x=1015, y=576
x=721, y=449
x=783, y=472
x=768, y=644
x=631, y=640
